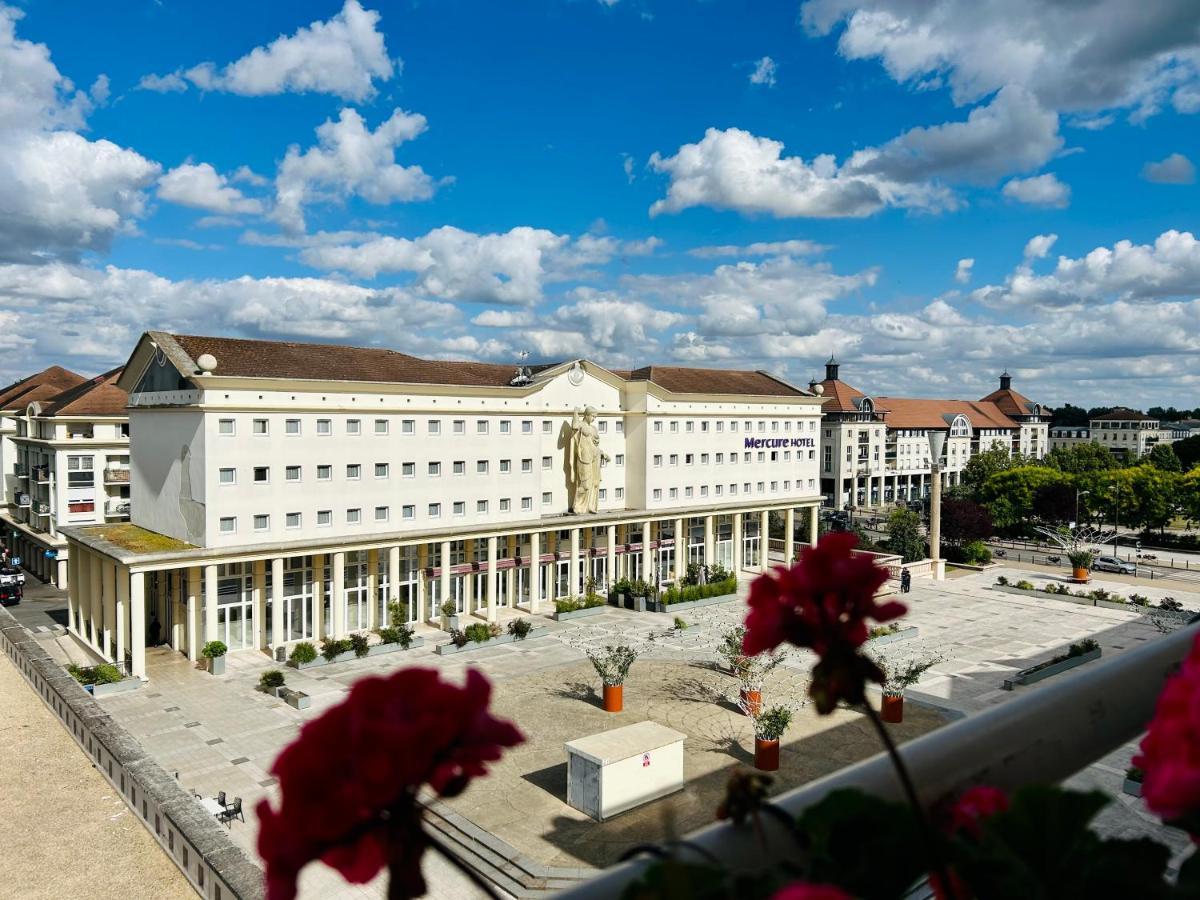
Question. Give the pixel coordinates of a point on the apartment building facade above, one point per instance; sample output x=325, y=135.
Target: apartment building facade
x=1127, y=433
x=287, y=492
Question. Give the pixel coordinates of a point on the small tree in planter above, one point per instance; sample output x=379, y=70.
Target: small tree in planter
x=769, y=726
x=1081, y=563
x=612, y=665
x=730, y=648
x=751, y=675
x=621, y=589
x=449, y=616
x=519, y=628
x=900, y=669
x=303, y=652
x=214, y=652
x=271, y=682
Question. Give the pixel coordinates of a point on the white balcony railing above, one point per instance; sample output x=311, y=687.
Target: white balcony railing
x=116, y=475
x=1039, y=738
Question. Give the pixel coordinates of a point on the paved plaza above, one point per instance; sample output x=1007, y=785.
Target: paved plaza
x=221, y=734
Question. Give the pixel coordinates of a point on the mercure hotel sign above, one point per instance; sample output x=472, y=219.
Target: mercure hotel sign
x=770, y=443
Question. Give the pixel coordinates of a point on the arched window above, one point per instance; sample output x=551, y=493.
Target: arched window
x=960, y=427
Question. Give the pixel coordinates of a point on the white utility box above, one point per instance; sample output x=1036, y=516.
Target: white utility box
x=614, y=771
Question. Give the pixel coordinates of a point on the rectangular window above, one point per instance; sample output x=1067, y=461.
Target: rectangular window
x=481, y=506
x=657, y=460
x=720, y=426
x=354, y=471
x=324, y=473
x=291, y=426
x=527, y=465
x=620, y=459
x=381, y=514
x=460, y=426
x=260, y=426
x=620, y=427
x=704, y=490
x=527, y=426
x=718, y=489
x=602, y=426
x=687, y=491
x=353, y=516
x=435, y=426
x=704, y=425
x=408, y=512
x=324, y=426
x=547, y=498
x=324, y=518
x=704, y=459
x=228, y=524
x=603, y=494
x=674, y=459
x=505, y=504
x=547, y=426
x=658, y=427
x=226, y=426
x=505, y=466
x=353, y=426
x=481, y=467
x=460, y=508
x=292, y=520
x=658, y=493
x=691, y=426
x=506, y=426
x=435, y=510
x=689, y=459
x=227, y=476
x=460, y=467
x=381, y=426
x=674, y=428
x=481, y=426
x=408, y=470
x=262, y=474
x=674, y=493
x=435, y=469
x=291, y=473
x=547, y=462
x=381, y=470
x=720, y=458
x=526, y=503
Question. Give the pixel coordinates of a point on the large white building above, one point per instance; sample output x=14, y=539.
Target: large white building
x=284, y=492
x=65, y=446
x=875, y=450
x=1126, y=432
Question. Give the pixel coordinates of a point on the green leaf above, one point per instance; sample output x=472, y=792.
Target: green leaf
x=866, y=846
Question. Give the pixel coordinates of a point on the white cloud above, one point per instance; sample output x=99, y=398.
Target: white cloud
x=764, y=72
x=350, y=160
x=761, y=248
x=1086, y=56
x=1041, y=190
x=202, y=187
x=627, y=167
x=1039, y=245
x=343, y=56
x=962, y=272
x=60, y=194
x=1175, y=169
x=503, y=318
x=1126, y=272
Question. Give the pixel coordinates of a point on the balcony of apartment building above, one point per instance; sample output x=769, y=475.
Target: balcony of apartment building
x=20, y=470
x=116, y=475
x=41, y=474
x=116, y=508
x=80, y=432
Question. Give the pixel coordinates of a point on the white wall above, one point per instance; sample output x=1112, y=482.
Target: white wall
x=160, y=438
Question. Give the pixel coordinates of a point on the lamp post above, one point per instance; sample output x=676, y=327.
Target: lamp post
x=937, y=443
x=1078, y=494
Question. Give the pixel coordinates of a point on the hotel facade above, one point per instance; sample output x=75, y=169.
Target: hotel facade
x=288, y=492
x=1127, y=433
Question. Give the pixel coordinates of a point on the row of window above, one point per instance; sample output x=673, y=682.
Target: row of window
x=719, y=425
x=294, y=427
x=262, y=474
x=719, y=490
x=689, y=459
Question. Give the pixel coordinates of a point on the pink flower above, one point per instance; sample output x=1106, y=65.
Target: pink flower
x=822, y=602
x=1170, y=751
x=974, y=806
x=349, y=781
x=804, y=891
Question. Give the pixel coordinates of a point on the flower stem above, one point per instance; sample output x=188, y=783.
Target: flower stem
x=473, y=876
x=910, y=791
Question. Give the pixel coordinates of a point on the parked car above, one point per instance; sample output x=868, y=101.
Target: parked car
x=1112, y=564
x=10, y=594
x=9, y=575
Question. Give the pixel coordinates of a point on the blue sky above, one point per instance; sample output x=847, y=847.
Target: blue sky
x=928, y=190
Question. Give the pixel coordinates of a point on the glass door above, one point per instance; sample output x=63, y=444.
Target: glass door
x=235, y=609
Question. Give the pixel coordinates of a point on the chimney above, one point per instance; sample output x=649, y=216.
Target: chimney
x=1005, y=381
x=831, y=370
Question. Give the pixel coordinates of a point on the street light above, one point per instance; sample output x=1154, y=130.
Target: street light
x=1078, y=494
x=937, y=443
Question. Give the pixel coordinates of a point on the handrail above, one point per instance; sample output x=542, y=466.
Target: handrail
x=1042, y=737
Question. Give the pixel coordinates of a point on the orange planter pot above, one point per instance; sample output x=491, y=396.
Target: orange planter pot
x=614, y=697
x=752, y=700
x=1080, y=574
x=892, y=708
x=766, y=755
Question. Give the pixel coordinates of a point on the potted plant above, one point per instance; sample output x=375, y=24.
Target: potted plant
x=612, y=665
x=1133, y=781
x=769, y=726
x=214, y=652
x=272, y=682
x=898, y=674
x=1081, y=563
x=519, y=628
x=621, y=592
x=730, y=648
x=449, y=616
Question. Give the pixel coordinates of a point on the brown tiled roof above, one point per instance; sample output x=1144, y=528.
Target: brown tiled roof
x=41, y=386
x=1123, y=414
x=841, y=396
x=98, y=397
x=931, y=414
x=680, y=380
x=1011, y=403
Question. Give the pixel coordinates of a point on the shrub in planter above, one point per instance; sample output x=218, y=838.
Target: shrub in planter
x=566, y=606
x=396, y=634
x=304, y=652
x=448, y=608
x=977, y=553
x=105, y=673
x=519, y=628
x=623, y=586
x=730, y=648
x=271, y=679
x=679, y=624
x=612, y=665
x=1002, y=580
x=331, y=648
x=1087, y=645
x=458, y=638
x=881, y=630
x=1081, y=562
x=769, y=727
x=214, y=650
x=1024, y=585
x=360, y=645
x=1139, y=600
x=1170, y=604
x=478, y=632
x=494, y=630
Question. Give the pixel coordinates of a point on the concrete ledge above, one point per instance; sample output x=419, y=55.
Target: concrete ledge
x=1041, y=672
x=904, y=634
x=659, y=606
x=123, y=686
x=191, y=837
x=448, y=649
x=579, y=613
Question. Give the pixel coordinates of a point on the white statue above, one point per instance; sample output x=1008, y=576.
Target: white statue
x=585, y=457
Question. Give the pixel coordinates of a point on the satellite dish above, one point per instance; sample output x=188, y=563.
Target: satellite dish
x=207, y=363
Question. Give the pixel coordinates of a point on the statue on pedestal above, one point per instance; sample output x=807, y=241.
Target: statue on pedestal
x=584, y=455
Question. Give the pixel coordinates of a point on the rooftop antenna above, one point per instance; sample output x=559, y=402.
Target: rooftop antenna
x=522, y=375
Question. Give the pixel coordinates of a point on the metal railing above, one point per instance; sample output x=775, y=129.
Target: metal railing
x=1041, y=737
x=116, y=475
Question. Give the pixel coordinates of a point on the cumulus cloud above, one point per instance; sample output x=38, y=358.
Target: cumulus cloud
x=350, y=160
x=343, y=56
x=1041, y=190
x=1086, y=56
x=962, y=272
x=200, y=186
x=1175, y=169
x=60, y=194
x=764, y=72
x=761, y=248
x=1039, y=245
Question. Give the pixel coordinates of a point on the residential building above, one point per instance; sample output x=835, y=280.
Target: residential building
x=1127, y=433
x=71, y=467
x=14, y=400
x=876, y=450
x=286, y=492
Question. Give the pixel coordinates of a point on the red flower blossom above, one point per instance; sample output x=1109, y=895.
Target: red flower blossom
x=974, y=806
x=802, y=890
x=822, y=602
x=349, y=781
x=1170, y=751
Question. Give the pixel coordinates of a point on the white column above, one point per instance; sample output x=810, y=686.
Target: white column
x=814, y=531
x=97, y=600
x=738, y=544
x=491, y=578
x=337, y=594
x=373, y=589
x=73, y=590
x=61, y=577
x=764, y=522
x=535, y=571
x=193, y=612
x=258, y=599
x=445, y=575
x=648, y=556
x=394, y=576
x=681, y=548
x=318, y=599
x=277, y=602
x=710, y=540
x=137, y=622
x=611, y=550
x=175, y=580
x=121, y=577
x=210, y=603
x=789, y=539
x=573, y=565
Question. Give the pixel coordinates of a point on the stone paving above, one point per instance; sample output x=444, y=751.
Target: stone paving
x=222, y=734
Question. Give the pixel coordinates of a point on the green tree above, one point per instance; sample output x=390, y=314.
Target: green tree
x=1074, y=416
x=1162, y=456
x=964, y=521
x=1084, y=457
x=1188, y=452
x=904, y=535
x=982, y=466
x=1139, y=496
x=1010, y=495
x=1189, y=494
